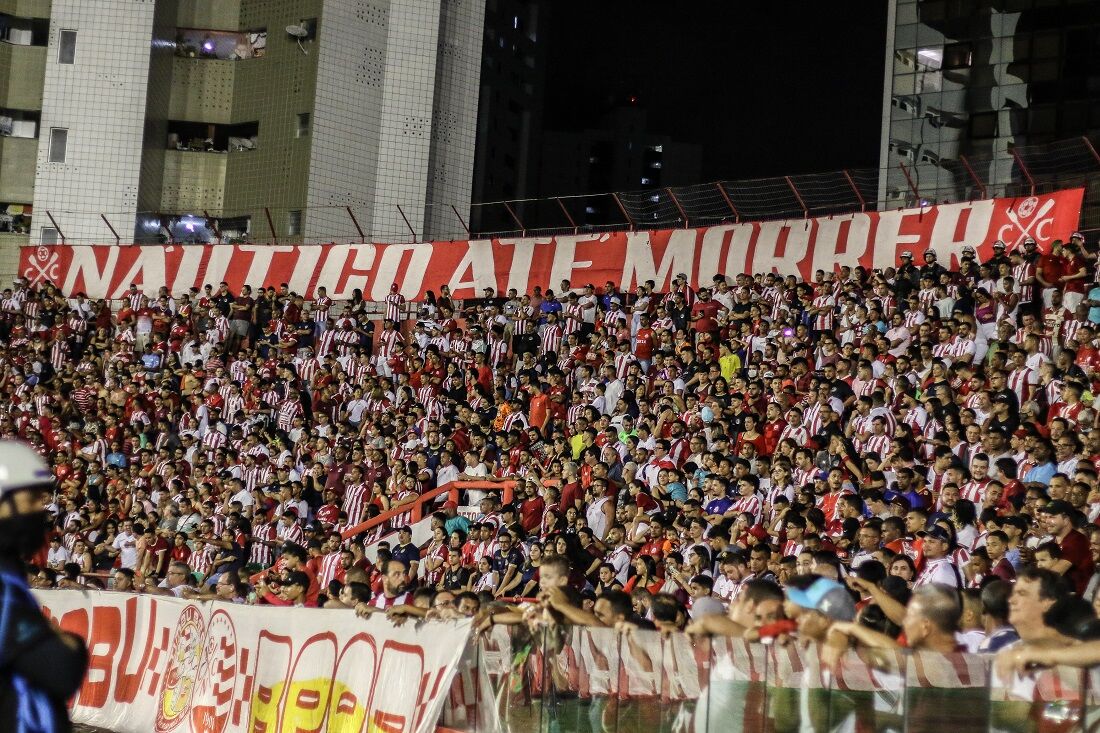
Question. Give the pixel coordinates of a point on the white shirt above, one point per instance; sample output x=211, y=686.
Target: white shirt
x=126, y=544
x=57, y=557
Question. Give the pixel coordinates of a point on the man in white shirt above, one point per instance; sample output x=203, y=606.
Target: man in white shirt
x=447, y=471
x=58, y=555
x=938, y=566
x=126, y=544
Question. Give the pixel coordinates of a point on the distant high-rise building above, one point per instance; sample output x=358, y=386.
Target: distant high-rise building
x=623, y=154
x=967, y=81
x=189, y=120
x=510, y=109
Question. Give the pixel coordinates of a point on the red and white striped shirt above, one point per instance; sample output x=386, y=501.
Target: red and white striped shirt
x=320, y=309
x=356, y=497
x=288, y=410
x=394, y=303
x=261, y=554
x=1022, y=382
x=551, y=338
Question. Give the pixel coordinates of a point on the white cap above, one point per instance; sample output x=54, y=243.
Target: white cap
x=22, y=468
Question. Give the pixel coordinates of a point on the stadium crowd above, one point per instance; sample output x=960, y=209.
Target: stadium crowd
x=906, y=457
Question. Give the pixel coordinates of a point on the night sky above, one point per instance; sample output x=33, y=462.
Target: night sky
x=768, y=88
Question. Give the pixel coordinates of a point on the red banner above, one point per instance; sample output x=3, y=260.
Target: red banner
x=793, y=246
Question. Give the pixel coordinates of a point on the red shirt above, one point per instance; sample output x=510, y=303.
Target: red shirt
x=643, y=343
x=1070, y=266
x=709, y=312
x=570, y=494
x=1075, y=548
x=1053, y=267
x=530, y=513
x=539, y=409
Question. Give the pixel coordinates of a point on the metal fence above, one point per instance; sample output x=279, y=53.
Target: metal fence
x=913, y=182
x=1019, y=171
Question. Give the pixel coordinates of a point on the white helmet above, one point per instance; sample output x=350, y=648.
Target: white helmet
x=22, y=468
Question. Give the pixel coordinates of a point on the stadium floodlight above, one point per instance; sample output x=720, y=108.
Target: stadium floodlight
x=298, y=32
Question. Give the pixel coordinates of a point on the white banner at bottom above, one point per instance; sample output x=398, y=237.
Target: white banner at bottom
x=162, y=664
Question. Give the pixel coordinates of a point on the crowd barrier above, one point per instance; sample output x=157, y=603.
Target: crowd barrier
x=162, y=664
x=585, y=680
x=800, y=246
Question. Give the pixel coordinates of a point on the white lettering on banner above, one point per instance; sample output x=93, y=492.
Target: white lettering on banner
x=305, y=266
x=889, y=240
x=523, y=251
x=217, y=265
x=261, y=259
x=766, y=257
x=827, y=247
x=337, y=271
x=738, y=253
x=166, y=665
x=565, y=257
x=478, y=261
x=977, y=216
x=147, y=269
x=797, y=246
x=679, y=256
x=83, y=265
x=420, y=257
x=188, y=270
x=710, y=251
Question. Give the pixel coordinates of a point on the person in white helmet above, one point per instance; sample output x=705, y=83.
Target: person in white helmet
x=41, y=666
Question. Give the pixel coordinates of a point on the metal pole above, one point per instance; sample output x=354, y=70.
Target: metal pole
x=729, y=203
x=970, y=170
x=798, y=196
x=678, y=207
x=568, y=217
x=1027, y=173
x=623, y=209
x=1088, y=144
x=118, y=240
x=460, y=221
x=855, y=189
x=271, y=226
x=362, y=237
x=213, y=224
x=410, y=226
x=909, y=178
x=55, y=226
x=522, y=229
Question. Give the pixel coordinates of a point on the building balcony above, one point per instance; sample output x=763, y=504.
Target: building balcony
x=18, y=159
x=22, y=76
x=194, y=181
x=26, y=8
x=202, y=90
x=209, y=14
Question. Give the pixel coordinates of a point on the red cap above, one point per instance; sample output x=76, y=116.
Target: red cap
x=450, y=505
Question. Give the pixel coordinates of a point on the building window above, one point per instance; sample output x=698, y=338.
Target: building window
x=66, y=48
x=294, y=223
x=49, y=235
x=956, y=56
x=303, y=125
x=59, y=140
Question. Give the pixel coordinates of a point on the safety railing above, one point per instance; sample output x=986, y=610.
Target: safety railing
x=424, y=504
x=912, y=180
x=568, y=679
